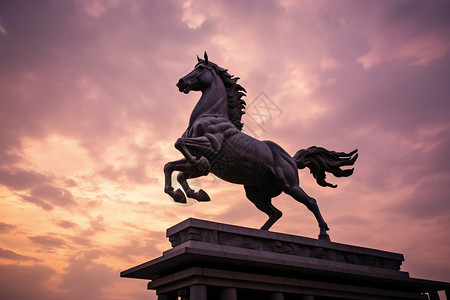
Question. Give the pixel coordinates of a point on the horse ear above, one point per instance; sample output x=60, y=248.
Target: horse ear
x=199, y=59
x=206, y=57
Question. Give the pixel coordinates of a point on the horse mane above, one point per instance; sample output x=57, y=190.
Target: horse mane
x=235, y=92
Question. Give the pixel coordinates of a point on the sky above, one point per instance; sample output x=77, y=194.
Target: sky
x=89, y=113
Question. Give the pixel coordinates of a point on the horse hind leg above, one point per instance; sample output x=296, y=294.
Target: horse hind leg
x=298, y=194
x=200, y=195
x=263, y=202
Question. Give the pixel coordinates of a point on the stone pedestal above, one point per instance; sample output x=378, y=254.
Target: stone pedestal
x=211, y=260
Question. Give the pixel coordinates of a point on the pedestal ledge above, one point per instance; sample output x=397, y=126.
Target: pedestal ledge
x=217, y=255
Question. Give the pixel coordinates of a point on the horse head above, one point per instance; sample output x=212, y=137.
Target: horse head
x=198, y=79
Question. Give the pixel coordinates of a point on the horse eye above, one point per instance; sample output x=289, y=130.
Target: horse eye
x=200, y=67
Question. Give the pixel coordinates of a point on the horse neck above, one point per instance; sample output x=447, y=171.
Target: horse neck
x=212, y=102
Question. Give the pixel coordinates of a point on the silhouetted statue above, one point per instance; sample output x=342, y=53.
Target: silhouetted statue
x=213, y=142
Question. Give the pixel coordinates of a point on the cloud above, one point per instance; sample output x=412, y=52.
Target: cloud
x=98, y=8
x=427, y=200
x=420, y=51
x=90, y=277
x=136, y=247
x=89, y=113
x=44, y=205
x=48, y=242
x=415, y=33
x=61, y=97
x=66, y=224
x=5, y=228
x=3, y=30
x=36, y=188
x=350, y=220
x=27, y=282
x=20, y=179
x=328, y=63
x=46, y=195
x=131, y=168
x=96, y=225
x=54, y=195
x=11, y=255
x=81, y=241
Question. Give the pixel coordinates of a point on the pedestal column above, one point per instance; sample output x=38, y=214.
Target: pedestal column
x=198, y=292
x=433, y=295
x=276, y=296
x=228, y=294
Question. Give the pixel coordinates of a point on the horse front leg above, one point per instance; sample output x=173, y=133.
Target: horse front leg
x=182, y=177
x=199, y=144
x=169, y=168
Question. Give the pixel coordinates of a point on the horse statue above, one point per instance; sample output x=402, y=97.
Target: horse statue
x=214, y=142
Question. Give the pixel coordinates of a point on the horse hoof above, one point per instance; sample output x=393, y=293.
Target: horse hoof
x=179, y=197
x=324, y=237
x=324, y=228
x=202, y=196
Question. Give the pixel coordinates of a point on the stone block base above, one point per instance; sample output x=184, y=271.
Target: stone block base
x=218, y=261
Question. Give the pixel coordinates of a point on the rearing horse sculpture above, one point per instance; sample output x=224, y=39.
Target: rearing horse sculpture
x=213, y=142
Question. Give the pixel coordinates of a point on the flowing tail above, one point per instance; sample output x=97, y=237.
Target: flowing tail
x=320, y=160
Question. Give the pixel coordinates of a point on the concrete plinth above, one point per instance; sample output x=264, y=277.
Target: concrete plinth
x=218, y=261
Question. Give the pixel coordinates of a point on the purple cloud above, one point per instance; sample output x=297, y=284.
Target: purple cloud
x=27, y=282
x=19, y=179
x=102, y=75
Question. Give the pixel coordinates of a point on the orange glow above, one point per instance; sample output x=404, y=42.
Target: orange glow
x=89, y=114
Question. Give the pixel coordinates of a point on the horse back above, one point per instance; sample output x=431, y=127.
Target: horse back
x=243, y=160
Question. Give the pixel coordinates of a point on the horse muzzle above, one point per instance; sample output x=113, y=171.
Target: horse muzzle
x=183, y=86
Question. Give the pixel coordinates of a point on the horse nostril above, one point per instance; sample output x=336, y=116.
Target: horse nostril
x=180, y=82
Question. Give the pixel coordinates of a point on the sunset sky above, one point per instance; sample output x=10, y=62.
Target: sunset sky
x=89, y=113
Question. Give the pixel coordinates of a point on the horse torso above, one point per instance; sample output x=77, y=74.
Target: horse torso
x=212, y=124
x=234, y=156
x=247, y=160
